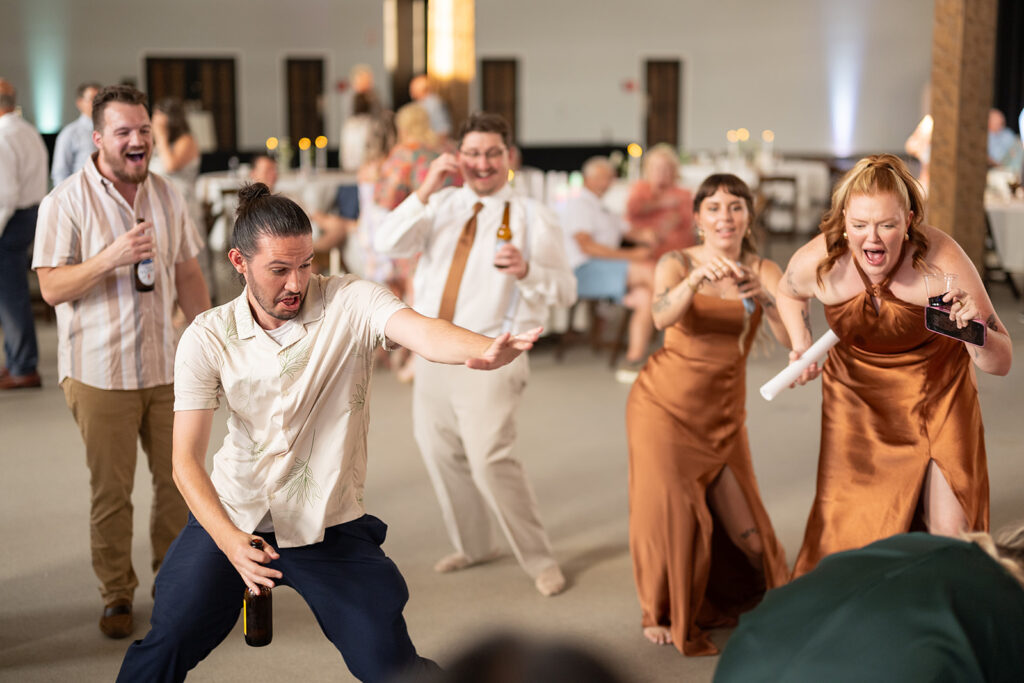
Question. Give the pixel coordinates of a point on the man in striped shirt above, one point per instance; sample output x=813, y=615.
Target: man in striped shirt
x=116, y=343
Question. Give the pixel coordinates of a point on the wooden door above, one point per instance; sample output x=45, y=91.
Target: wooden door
x=664, y=83
x=207, y=82
x=305, y=87
x=499, y=91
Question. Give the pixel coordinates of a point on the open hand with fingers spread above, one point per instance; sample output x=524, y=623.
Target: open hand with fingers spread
x=504, y=349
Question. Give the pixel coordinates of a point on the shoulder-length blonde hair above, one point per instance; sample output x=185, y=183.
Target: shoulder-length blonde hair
x=413, y=125
x=877, y=174
x=1007, y=549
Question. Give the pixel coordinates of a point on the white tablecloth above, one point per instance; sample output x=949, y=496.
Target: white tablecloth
x=692, y=175
x=1007, y=221
x=312, y=191
x=812, y=197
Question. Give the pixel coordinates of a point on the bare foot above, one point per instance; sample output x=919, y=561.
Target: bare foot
x=659, y=635
x=550, y=582
x=457, y=561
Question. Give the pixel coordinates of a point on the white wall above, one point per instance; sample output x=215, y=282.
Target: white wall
x=47, y=47
x=752, y=63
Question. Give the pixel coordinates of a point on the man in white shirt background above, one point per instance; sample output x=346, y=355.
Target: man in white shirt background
x=605, y=269
x=292, y=357
x=74, y=143
x=464, y=423
x=22, y=159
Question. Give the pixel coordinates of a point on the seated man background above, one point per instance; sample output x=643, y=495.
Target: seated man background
x=605, y=269
x=913, y=607
x=1004, y=148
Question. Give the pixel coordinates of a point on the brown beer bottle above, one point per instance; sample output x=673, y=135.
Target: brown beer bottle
x=504, y=233
x=257, y=612
x=145, y=271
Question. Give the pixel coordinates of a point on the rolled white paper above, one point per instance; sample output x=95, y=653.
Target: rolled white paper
x=772, y=387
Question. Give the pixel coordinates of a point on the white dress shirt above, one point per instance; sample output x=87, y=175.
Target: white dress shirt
x=298, y=410
x=586, y=213
x=73, y=148
x=22, y=166
x=485, y=291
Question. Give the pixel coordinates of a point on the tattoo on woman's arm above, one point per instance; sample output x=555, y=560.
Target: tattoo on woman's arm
x=992, y=324
x=661, y=301
x=806, y=315
x=789, y=281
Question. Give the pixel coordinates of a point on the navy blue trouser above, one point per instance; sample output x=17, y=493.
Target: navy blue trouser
x=355, y=591
x=15, y=305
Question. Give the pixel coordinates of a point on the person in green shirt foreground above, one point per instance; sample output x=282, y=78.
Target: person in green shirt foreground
x=908, y=608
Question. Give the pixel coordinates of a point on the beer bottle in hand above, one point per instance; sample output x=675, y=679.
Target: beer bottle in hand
x=504, y=233
x=145, y=271
x=257, y=612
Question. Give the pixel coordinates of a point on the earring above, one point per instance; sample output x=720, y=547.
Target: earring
x=844, y=235
x=700, y=233
x=906, y=236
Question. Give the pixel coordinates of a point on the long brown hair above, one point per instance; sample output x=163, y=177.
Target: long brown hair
x=736, y=187
x=876, y=174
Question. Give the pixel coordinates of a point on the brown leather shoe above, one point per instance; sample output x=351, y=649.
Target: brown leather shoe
x=29, y=381
x=116, y=621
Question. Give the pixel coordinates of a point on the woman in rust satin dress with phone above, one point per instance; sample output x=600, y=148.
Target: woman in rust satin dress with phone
x=702, y=545
x=902, y=443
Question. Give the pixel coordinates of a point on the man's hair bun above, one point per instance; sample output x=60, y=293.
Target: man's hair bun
x=252, y=191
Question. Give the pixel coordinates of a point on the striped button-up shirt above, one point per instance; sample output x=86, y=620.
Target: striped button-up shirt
x=112, y=336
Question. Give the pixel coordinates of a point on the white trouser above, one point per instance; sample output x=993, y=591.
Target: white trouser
x=464, y=423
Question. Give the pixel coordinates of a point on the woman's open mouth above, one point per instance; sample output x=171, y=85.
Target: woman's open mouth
x=874, y=257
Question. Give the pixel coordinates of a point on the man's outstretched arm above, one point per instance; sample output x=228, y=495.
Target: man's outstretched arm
x=191, y=438
x=442, y=342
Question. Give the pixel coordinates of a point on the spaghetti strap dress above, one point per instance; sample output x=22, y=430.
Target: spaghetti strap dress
x=895, y=396
x=685, y=422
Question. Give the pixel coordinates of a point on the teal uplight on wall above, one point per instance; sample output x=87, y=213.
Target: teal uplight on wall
x=45, y=39
x=845, y=32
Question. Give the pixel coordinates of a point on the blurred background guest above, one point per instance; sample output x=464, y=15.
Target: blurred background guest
x=22, y=186
x=264, y=170
x=422, y=93
x=659, y=211
x=919, y=146
x=400, y=175
x=604, y=268
x=703, y=547
x=74, y=144
x=176, y=157
x=1004, y=148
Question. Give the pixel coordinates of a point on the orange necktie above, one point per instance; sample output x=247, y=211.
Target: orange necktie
x=458, y=267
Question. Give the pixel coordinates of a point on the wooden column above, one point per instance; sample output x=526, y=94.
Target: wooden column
x=963, y=47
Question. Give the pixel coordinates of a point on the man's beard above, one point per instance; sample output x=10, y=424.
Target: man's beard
x=119, y=167
x=269, y=310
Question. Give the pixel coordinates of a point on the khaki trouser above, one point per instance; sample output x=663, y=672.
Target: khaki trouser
x=112, y=423
x=464, y=424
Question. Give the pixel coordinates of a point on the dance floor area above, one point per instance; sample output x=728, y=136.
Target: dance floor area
x=572, y=442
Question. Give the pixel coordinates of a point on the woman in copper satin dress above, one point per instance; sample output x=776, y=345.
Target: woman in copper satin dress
x=902, y=444
x=703, y=548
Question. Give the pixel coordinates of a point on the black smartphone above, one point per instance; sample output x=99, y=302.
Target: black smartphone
x=936, y=319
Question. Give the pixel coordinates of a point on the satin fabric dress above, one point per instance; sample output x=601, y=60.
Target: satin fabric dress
x=894, y=397
x=685, y=422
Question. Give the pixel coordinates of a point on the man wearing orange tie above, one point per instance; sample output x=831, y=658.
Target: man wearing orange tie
x=465, y=424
